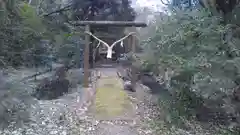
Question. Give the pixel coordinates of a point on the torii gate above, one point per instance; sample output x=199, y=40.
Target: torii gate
x=88, y=24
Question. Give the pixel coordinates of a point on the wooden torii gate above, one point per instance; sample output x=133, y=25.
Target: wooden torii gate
x=88, y=24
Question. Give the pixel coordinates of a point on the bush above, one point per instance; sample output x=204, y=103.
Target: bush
x=21, y=31
x=194, y=45
x=15, y=105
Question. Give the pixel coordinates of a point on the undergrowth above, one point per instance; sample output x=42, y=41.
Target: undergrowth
x=203, y=75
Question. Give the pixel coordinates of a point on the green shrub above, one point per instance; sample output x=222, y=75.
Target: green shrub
x=21, y=31
x=195, y=46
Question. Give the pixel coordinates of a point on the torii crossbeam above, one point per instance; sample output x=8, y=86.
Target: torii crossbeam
x=87, y=25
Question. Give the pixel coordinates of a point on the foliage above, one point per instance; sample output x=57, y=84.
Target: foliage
x=26, y=40
x=32, y=33
x=21, y=30
x=29, y=38
x=117, y=10
x=182, y=4
x=193, y=45
x=111, y=10
x=71, y=48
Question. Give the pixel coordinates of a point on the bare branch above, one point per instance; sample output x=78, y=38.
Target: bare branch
x=131, y=33
x=4, y=64
x=168, y=2
x=66, y=8
x=106, y=44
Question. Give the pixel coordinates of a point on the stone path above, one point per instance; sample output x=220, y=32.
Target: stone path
x=113, y=110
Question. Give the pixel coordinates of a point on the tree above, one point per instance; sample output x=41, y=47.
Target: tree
x=117, y=10
x=182, y=4
x=224, y=6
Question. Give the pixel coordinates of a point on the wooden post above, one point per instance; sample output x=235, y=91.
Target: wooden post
x=129, y=45
x=110, y=23
x=133, y=44
x=94, y=52
x=86, y=58
x=134, y=76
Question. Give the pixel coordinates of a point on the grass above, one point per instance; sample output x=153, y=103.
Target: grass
x=111, y=100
